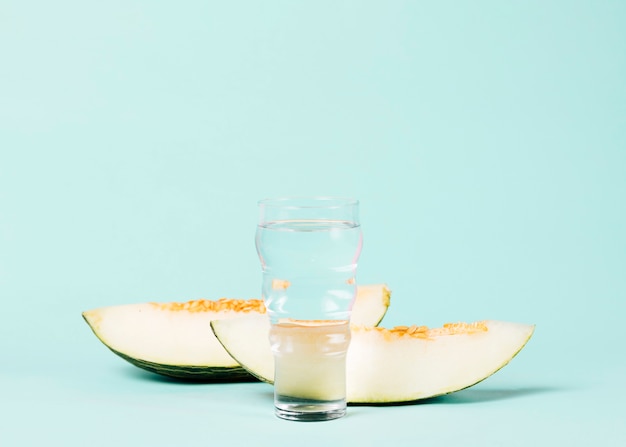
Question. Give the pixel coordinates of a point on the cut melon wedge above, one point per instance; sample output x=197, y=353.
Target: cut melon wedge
x=394, y=365
x=176, y=340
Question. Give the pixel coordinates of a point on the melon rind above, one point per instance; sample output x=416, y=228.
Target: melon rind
x=386, y=368
x=191, y=372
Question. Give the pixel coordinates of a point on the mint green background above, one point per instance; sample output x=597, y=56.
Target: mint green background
x=486, y=141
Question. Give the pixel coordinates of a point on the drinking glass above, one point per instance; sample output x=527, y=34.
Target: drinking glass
x=309, y=248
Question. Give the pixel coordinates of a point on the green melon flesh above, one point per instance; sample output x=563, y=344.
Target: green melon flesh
x=180, y=343
x=383, y=367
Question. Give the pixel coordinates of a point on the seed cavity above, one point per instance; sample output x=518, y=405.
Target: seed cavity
x=280, y=284
x=425, y=333
x=220, y=305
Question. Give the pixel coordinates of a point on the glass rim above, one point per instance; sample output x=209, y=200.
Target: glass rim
x=300, y=202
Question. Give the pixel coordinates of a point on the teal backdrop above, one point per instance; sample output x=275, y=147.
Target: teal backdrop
x=485, y=140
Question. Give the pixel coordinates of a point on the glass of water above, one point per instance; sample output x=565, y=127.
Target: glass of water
x=309, y=248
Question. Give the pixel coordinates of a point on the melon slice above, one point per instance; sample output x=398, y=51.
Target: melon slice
x=394, y=365
x=175, y=339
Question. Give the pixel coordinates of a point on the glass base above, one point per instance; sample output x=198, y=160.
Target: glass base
x=311, y=411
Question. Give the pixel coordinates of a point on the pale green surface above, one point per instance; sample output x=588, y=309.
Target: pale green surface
x=486, y=141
